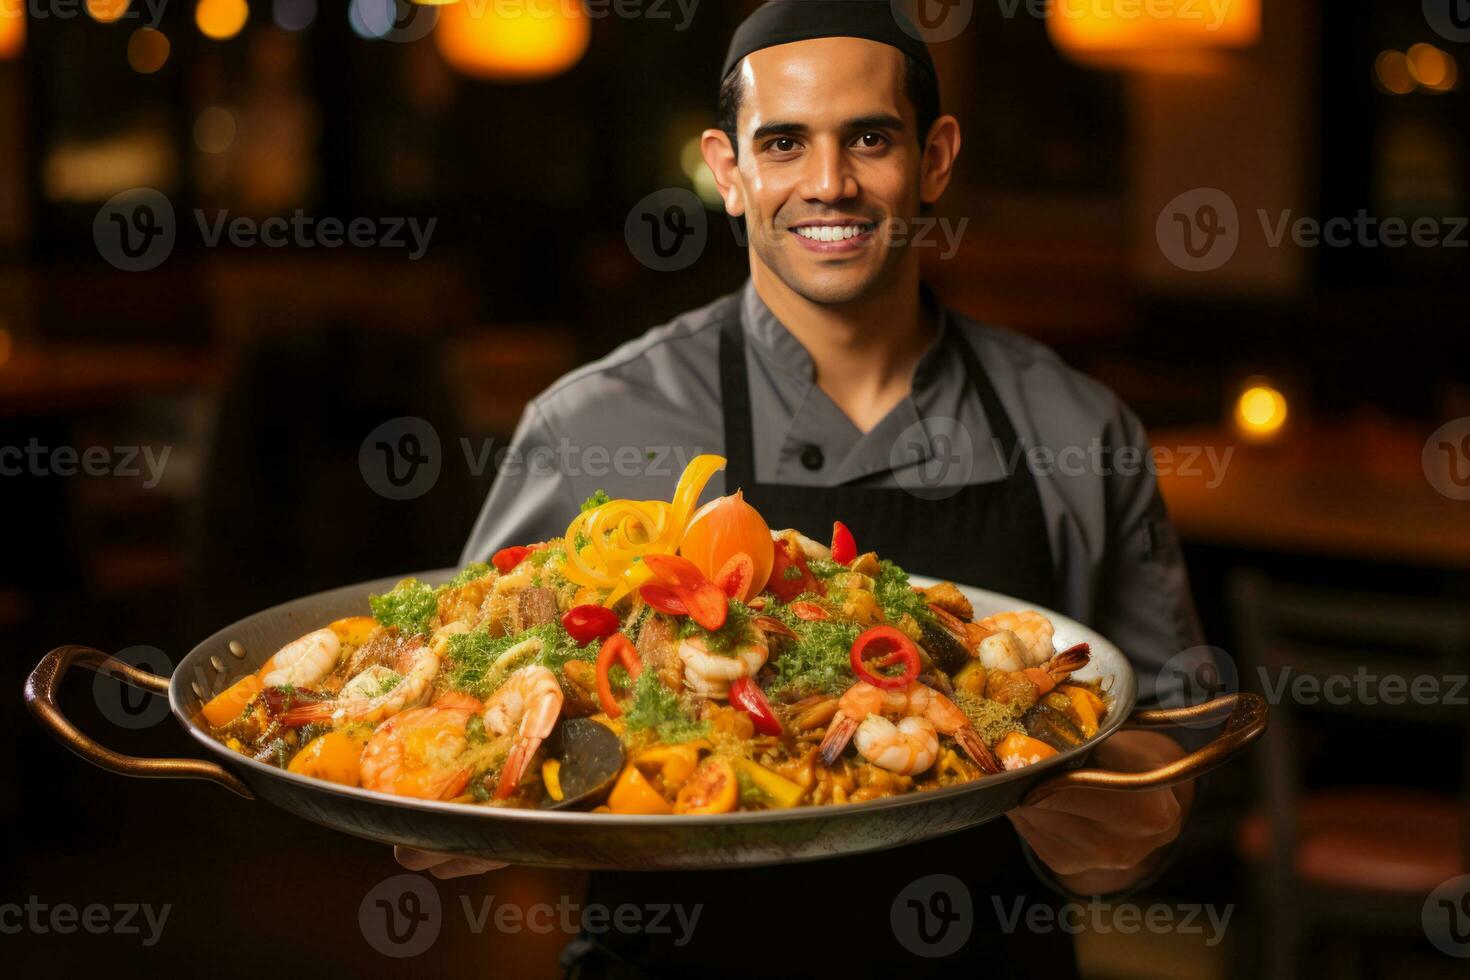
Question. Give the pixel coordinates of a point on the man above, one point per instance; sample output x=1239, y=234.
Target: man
x=837, y=388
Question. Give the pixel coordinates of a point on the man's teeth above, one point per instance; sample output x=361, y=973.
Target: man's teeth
x=831, y=233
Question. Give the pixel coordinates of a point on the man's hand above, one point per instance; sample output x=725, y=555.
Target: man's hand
x=1100, y=841
x=443, y=865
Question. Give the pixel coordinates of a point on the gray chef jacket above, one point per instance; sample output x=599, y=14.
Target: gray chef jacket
x=628, y=423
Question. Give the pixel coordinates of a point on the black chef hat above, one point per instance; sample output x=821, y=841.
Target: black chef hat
x=785, y=21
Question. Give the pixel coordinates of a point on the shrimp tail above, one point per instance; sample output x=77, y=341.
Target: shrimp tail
x=301, y=714
x=976, y=749
x=839, y=733
x=515, y=766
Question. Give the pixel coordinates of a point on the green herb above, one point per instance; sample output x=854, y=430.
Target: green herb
x=896, y=596
x=474, y=731
x=389, y=681
x=473, y=658
x=478, y=789
x=409, y=606
x=596, y=500
x=729, y=637
x=819, y=662
x=617, y=676
x=792, y=573
x=655, y=707
x=470, y=572
x=824, y=568
x=750, y=793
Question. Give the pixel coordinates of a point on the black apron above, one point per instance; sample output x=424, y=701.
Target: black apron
x=839, y=916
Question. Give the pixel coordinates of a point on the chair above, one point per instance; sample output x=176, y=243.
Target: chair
x=1358, y=854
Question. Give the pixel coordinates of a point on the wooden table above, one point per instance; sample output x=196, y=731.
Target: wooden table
x=1348, y=489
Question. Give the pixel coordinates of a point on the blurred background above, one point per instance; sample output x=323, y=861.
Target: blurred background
x=1138, y=191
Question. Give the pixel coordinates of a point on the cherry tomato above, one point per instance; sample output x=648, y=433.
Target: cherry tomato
x=707, y=605
x=615, y=648
x=867, y=654
x=746, y=695
x=844, y=546
x=508, y=558
x=589, y=622
x=785, y=586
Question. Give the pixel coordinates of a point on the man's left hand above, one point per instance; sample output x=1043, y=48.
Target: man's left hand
x=1099, y=841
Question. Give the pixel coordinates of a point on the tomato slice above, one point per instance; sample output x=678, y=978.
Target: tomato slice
x=615, y=648
x=809, y=611
x=674, y=570
x=746, y=695
x=508, y=558
x=664, y=599
x=785, y=585
x=589, y=622
x=883, y=646
x=736, y=576
x=707, y=605
x=844, y=545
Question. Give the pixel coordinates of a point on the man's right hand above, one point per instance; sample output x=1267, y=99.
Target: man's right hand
x=443, y=865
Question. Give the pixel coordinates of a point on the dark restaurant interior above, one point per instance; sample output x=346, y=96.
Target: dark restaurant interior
x=1198, y=207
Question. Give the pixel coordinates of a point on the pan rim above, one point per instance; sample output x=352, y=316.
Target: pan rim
x=1124, y=691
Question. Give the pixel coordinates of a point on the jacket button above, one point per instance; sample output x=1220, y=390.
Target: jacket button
x=811, y=458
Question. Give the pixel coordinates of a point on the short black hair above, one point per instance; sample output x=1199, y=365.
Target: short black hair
x=920, y=86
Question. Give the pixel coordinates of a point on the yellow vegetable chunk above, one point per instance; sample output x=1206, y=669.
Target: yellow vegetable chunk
x=635, y=794
x=676, y=763
x=781, y=791
x=354, y=631
x=712, y=789
x=1017, y=750
x=1081, y=710
x=335, y=757
x=551, y=777
x=226, y=706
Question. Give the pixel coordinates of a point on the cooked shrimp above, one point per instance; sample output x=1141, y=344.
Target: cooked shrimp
x=406, y=684
x=1031, y=628
x=530, y=703
x=863, y=701
x=710, y=674
x=302, y=662
x=908, y=748
x=418, y=753
x=1025, y=687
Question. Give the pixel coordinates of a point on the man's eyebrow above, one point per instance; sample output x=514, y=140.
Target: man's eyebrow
x=880, y=120
x=777, y=129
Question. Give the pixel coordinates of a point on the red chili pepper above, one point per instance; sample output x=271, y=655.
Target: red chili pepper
x=674, y=570
x=735, y=575
x=844, y=545
x=663, y=599
x=867, y=654
x=809, y=611
x=746, y=695
x=589, y=622
x=508, y=558
x=615, y=648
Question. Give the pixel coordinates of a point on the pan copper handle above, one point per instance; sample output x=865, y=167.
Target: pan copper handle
x=40, y=695
x=1245, y=714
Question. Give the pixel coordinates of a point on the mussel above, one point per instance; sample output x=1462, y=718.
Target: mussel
x=1048, y=721
x=942, y=637
x=589, y=757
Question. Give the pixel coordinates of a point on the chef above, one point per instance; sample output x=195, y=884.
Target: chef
x=839, y=389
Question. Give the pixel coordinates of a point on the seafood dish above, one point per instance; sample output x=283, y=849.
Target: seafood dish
x=665, y=658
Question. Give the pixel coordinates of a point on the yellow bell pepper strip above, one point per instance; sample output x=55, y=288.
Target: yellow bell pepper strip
x=551, y=777
x=712, y=789
x=1082, y=711
x=781, y=791
x=335, y=756
x=676, y=763
x=226, y=706
x=619, y=533
x=635, y=794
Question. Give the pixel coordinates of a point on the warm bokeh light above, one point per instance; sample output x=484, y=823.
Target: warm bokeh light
x=1127, y=34
x=1391, y=69
x=7, y=346
x=691, y=161
x=107, y=11
x=1432, y=68
x=214, y=129
x=1260, y=412
x=539, y=39
x=221, y=19
x=12, y=30
x=147, y=50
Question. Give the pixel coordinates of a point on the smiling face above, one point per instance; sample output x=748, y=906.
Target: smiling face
x=830, y=171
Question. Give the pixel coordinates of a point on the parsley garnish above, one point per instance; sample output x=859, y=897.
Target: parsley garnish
x=655, y=707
